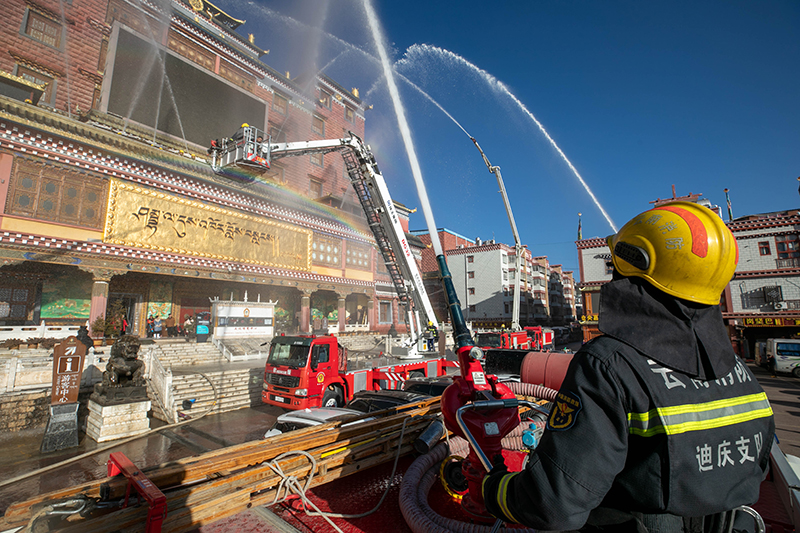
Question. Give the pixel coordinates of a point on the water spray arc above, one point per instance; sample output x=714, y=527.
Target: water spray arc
x=404, y=128
x=500, y=87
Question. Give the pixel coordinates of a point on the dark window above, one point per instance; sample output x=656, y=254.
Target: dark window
x=472, y=290
x=470, y=258
x=471, y=275
x=764, y=249
x=787, y=246
x=472, y=308
x=43, y=29
x=316, y=159
x=349, y=114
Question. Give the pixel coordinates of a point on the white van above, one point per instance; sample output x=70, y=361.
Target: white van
x=786, y=353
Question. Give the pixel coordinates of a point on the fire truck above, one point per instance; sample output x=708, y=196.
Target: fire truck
x=512, y=340
x=309, y=371
x=296, y=375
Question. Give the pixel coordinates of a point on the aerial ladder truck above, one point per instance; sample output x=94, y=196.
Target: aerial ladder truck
x=251, y=151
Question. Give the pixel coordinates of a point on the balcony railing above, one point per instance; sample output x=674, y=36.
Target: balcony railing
x=792, y=262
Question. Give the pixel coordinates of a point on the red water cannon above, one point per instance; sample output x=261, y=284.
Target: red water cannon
x=475, y=407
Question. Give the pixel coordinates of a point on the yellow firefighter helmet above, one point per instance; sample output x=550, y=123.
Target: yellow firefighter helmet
x=681, y=248
x=245, y=125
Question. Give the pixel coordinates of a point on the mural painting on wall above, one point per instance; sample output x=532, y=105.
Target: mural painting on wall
x=285, y=318
x=160, y=303
x=325, y=308
x=64, y=296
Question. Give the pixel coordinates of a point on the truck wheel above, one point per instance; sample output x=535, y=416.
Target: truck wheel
x=416, y=374
x=796, y=371
x=332, y=398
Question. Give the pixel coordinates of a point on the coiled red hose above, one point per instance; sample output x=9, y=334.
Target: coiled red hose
x=417, y=482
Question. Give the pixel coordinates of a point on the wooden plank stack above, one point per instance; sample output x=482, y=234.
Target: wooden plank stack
x=221, y=483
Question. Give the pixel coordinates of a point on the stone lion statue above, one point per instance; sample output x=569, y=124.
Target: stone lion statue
x=124, y=369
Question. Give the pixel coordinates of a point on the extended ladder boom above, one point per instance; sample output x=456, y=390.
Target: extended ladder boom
x=372, y=192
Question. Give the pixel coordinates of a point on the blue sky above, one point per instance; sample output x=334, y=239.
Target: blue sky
x=638, y=95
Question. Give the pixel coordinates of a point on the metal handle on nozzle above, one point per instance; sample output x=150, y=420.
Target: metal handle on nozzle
x=485, y=405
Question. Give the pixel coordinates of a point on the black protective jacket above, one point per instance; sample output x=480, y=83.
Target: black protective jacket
x=657, y=416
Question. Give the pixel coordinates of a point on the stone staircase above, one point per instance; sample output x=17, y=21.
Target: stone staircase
x=178, y=352
x=234, y=386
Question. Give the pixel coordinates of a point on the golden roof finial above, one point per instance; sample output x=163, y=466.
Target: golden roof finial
x=355, y=92
x=251, y=38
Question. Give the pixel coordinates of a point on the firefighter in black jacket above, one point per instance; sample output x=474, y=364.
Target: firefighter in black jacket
x=658, y=426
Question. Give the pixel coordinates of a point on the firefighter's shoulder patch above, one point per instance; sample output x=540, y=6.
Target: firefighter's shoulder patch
x=566, y=409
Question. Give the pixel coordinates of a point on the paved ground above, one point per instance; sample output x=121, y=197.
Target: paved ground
x=783, y=392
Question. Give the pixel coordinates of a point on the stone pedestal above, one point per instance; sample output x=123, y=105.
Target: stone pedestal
x=111, y=422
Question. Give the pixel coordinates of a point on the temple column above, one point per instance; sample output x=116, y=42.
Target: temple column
x=342, y=313
x=305, y=311
x=371, y=318
x=99, y=301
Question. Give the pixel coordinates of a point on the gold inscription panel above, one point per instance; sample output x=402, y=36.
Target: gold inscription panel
x=145, y=218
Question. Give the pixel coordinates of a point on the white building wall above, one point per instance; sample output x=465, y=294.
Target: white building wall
x=594, y=264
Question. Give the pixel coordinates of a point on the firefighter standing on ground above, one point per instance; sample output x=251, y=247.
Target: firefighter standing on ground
x=657, y=420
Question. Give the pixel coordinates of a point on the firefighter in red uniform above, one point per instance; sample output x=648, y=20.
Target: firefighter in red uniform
x=658, y=426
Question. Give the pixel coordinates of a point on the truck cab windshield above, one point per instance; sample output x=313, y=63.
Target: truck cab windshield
x=293, y=355
x=491, y=340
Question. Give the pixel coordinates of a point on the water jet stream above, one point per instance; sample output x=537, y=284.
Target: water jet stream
x=501, y=87
x=404, y=128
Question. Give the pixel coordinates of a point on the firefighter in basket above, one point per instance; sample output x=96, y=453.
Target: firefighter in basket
x=658, y=425
x=431, y=336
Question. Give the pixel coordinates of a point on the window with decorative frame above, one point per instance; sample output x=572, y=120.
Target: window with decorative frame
x=787, y=246
x=277, y=135
x=470, y=258
x=472, y=290
x=314, y=187
x=471, y=275
x=34, y=76
x=279, y=103
x=42, y=28
x=385, y=312
x=324, y=98
x=764, y=248
x=318, y=126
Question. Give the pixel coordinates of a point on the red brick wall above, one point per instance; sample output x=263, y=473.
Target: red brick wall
x=74, y=63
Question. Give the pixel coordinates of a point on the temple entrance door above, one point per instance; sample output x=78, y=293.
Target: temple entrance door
x=192, y=306
x=130, y=305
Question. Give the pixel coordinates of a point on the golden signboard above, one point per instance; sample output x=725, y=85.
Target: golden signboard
x=145, y=218
x=770, y=321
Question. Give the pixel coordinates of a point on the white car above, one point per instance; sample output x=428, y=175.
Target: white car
x=294, y=420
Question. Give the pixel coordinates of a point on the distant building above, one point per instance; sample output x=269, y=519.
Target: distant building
x=484, y=275
x=763, y=299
